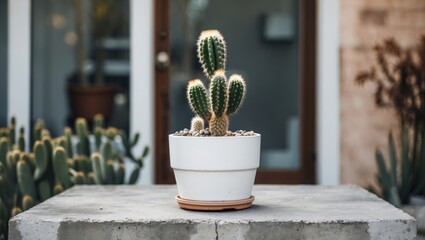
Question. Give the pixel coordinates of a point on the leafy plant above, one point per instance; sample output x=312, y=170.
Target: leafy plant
x=225, y=96
x=400, y=85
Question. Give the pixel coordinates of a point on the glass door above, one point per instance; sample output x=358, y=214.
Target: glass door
x=266, y=41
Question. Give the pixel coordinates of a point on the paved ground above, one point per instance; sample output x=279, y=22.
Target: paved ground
x=279, y=212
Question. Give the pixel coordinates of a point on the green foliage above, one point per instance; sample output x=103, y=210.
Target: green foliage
x=404, y=176
x=225, y=97
x=27, y=178
x=40, y=156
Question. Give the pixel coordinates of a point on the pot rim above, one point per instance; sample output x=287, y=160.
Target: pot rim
x=215, y=137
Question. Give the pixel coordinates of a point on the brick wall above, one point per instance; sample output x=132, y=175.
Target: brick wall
x=365, y=23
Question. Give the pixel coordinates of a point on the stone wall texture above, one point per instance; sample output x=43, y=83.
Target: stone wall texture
x=364, y=23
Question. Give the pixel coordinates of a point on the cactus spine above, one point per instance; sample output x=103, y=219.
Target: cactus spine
x=225, y=97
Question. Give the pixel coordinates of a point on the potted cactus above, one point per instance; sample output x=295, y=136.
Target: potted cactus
x=214, y=167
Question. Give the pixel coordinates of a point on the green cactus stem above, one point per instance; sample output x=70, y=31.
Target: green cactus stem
x=60, y=167
x=79, y=178
x=96, y=165
x=236, y=93
x=44, y=191
x=21, y=139
x=98, y=121
x=25, y=179
x=134, y=176
x=3, y=212
x=110, y=172
x=218, y=93
x=16, y=211
x=40, y=157
x=211, y=52
x=120, y=174
x=68, y=137
x=197, y=124
x=38, y=127
x=198, y=100
x=58, y=188
x=91, y=178
x=98, y=137
x=12, y=132
x=107, y=154
x=27, y=202
x=135, y=139
x=83, y=134
x=3, y=150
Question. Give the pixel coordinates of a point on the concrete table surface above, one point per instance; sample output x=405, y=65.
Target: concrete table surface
x=151, y=212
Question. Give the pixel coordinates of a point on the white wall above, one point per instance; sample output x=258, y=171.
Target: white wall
x=141, y=81
x=328, y=122
x=19, y=61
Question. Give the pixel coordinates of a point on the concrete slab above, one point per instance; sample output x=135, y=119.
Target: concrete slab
x=151, y=212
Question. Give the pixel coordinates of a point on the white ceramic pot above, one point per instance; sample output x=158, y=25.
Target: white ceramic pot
x=215, y=168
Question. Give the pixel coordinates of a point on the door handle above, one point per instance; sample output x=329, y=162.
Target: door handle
x=162, y=60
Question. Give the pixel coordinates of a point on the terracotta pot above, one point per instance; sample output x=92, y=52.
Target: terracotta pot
x=88, y=101
x=215, y=168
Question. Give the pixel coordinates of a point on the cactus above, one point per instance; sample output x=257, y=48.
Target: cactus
x=44, y=191
x=225, y=97
x=68, y=137
x=211, y=52
x=98, y=121
x=38, y=127
x=60, y=167
x=25, y=180
x=58, y=188
x=27, y=202
x=197, y=124
x=40, y=160
x=12, y=132
x=83, y=134
x=79, y=178
x=21, y=139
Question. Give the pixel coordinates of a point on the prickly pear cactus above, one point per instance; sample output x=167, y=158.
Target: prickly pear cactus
x=225, y=96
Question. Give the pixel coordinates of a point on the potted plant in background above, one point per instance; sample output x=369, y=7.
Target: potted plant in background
x=214, y=168
x=91, y=97
x=400, y=81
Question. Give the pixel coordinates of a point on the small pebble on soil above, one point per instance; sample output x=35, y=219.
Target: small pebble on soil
x=206, y=133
